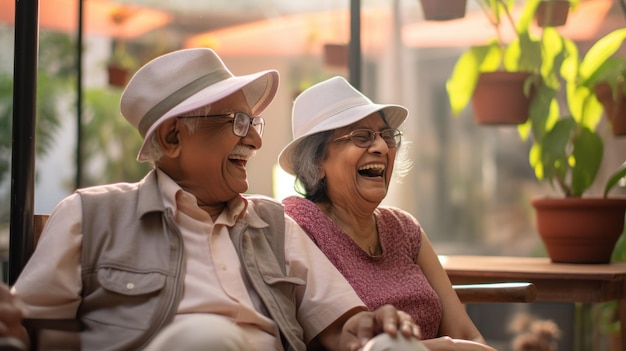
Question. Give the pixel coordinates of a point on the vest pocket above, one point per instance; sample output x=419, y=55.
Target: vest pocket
x=130, y=283
x=272, y=273
x=124, y=299
x=276, y=279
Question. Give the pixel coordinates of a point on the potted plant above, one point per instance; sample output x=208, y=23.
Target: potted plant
x=336, y=54
x=567, y=152
x=443, y=10
x=485, y=73
x=120, y=65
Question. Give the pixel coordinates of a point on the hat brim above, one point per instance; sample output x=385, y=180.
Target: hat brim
x=395, y=115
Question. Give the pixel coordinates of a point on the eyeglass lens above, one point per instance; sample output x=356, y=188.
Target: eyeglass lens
x=242, y=122
x=366, y=137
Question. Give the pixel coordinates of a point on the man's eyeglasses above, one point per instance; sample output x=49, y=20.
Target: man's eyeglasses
x=241, y=122
x=365, y=138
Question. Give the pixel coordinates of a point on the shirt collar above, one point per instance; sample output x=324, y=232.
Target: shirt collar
x=177, y=199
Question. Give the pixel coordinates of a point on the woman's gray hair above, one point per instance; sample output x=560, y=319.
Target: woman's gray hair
x=307, y=160
x=154, y=152
x=307, y=165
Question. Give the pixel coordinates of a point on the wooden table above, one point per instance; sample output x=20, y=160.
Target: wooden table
x=556, y=282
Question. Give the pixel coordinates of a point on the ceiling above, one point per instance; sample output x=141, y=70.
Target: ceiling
x=250, y=23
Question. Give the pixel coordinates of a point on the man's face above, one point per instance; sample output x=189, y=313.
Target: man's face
x=211, y=159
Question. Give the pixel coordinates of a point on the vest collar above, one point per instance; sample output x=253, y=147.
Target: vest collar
x=149, y=195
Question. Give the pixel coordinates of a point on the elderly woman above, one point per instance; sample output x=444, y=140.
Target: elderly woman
x=343, y=156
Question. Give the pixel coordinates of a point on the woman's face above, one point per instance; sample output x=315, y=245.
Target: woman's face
x=354, y=173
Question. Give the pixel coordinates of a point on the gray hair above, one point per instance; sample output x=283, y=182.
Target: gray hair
x=154, y=151
x=307, y=165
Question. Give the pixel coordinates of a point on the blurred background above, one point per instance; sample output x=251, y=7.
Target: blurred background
x=470, y=186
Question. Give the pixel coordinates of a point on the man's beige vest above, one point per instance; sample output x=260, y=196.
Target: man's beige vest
x=132, y=266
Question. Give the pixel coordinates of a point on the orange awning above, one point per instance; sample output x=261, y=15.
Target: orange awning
x=295, y=34
x=100, y=17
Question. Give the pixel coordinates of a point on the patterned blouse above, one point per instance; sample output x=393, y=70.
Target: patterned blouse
x=391, y=278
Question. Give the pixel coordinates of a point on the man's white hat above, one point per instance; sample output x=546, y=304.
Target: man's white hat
x=185, y=80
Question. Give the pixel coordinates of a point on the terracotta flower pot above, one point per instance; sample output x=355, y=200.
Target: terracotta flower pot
x=580, y=230
x=499, y=98
x=336, y=55
x=443, y=10
x=615, y=110
x=118, y=76
x=552, y=13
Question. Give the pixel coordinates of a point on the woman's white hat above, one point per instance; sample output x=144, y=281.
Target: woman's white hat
x=329, y=105
x=185, y=80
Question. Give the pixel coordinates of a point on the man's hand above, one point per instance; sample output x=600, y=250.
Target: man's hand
x=386, y=319
x=11, y=316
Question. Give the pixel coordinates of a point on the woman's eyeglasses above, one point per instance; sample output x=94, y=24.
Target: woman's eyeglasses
x=365, y=138
x=241, y=122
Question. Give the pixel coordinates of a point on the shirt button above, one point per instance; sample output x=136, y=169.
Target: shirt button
x=130, y=286
x=223, y=266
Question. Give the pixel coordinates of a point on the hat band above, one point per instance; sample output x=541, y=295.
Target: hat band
x=178, y=96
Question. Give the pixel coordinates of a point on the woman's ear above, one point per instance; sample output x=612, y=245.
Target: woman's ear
x=167, y=135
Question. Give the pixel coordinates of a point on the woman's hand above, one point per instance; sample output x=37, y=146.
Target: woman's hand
x=363, y=326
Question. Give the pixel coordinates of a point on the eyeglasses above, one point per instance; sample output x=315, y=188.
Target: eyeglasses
x=241, y=122
x=365, y=138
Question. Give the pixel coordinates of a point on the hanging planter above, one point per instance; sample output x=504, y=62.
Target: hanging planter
x=499, y=87
x=443, y=10
x=614, y=108
x=552, y=13
x=580, y=230
x=121, y=64
x=118, y=75
x=499, y=98
x=336, y=55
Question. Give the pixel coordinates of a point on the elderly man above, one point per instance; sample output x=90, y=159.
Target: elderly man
x=181, y=260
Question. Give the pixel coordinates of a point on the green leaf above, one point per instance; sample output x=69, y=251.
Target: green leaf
x=557, y=52
x=462, y=82
x=534, y=158
x=611, y=71
x=578, y=97
x=587, y=155
x=615, y=178
x=524, y=129
x=528, y=14
x=592, y=113
x=544, y=110
x=491, y=59
x=600, y=52
x=584, y=105
x=571, y=62
x=523, y=54
x=554, y=149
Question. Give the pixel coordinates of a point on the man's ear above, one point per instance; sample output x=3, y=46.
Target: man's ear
x=167, y=135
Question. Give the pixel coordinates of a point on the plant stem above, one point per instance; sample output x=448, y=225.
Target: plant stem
x=492, y=12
